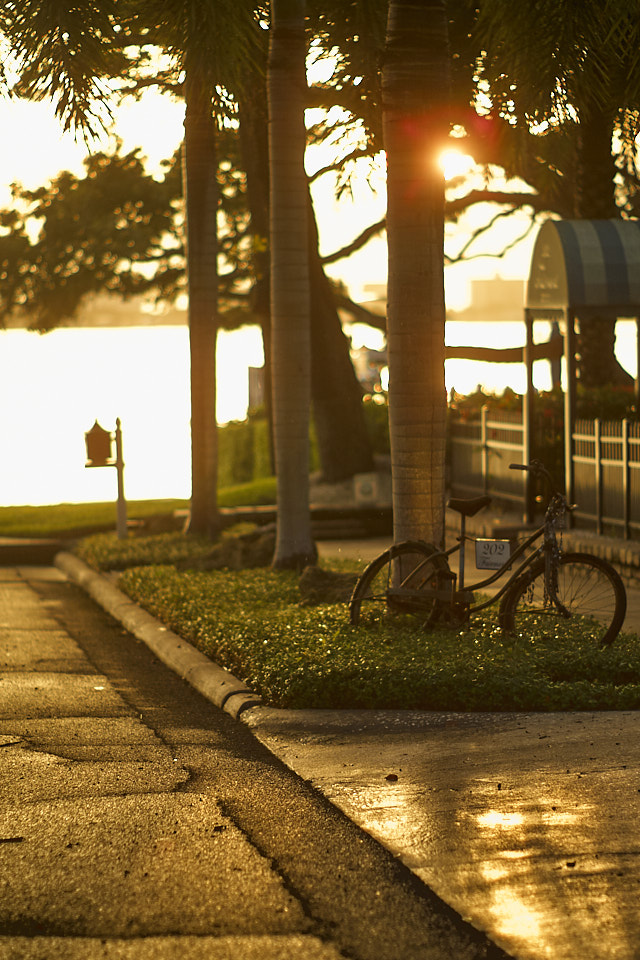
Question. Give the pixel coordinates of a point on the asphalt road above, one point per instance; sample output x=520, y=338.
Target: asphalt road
x=139, y=821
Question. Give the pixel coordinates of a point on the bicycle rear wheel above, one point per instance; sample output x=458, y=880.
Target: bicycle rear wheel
x=589, y=589
x=412, y=566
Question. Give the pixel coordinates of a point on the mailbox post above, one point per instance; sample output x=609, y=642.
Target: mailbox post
x=100, y=454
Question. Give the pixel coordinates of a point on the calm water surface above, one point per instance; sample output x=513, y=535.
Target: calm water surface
x=53, y=387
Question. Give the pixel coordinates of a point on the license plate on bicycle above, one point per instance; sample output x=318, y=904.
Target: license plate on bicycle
x=491, y=554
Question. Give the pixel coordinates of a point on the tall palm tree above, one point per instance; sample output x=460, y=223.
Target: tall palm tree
x=414, y=102
x=289, y=282
x=210, y=43
x=200, y=189
x=344, y=446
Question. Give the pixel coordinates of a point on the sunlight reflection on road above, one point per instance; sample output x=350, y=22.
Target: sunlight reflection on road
x=513, y=917
x=494, y=818
x=527, y=825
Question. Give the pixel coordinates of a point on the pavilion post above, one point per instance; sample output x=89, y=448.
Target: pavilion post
x=527, y=417
x=570, y=403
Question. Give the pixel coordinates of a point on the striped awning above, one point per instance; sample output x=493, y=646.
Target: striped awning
x=587, y=266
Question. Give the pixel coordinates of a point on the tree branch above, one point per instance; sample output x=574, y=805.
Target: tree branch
x=358, y=154
x=462, y=255
x=356, y=244
x=453, y=208
x=359, y=313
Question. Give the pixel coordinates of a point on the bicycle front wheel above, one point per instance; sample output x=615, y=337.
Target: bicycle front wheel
x=589, y=589
x=394, y=582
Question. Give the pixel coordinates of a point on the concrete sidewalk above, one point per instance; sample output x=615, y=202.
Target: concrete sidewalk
x=528, y=826
x=139, y=822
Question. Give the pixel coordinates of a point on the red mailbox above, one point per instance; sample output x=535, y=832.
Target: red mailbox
x=99, y=454
x=98, y=442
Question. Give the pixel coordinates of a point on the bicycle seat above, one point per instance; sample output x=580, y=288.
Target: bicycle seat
x=469, y=508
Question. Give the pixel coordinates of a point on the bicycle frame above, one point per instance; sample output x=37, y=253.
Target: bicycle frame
x=465, y=594
x=432, y=587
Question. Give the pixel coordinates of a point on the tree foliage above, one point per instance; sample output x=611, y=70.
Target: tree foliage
x=112, y=230
x=564, y=79
x=118, y=229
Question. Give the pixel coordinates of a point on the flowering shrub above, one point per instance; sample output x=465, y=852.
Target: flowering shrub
x=547, y=442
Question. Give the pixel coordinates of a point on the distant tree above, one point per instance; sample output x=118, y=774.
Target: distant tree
x=344, y=446
x=112, y=230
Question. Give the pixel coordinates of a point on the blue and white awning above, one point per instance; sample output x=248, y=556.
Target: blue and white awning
x=586, y=266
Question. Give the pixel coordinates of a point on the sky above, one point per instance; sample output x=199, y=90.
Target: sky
x=35, y=148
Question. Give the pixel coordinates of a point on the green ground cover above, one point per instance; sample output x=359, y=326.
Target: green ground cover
x=258, y=624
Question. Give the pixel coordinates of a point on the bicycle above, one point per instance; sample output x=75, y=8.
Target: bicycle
x=547, y=586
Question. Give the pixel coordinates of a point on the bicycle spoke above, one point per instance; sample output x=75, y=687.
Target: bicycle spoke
x=587, y=588
x=398, y=582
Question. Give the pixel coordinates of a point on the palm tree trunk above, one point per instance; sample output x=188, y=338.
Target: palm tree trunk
x=201, y=203
x=344, y=446
x=289, y=283
x=415, y=92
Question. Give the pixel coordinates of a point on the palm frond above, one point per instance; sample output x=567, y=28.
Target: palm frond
x=65, y=52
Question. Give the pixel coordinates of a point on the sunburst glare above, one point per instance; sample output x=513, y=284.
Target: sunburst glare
x=455, y=164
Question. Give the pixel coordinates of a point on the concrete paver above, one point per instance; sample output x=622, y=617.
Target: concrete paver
x=108, y=862
x=45, y=775
x=282, y=947
x=40, y=694
x=50, y=649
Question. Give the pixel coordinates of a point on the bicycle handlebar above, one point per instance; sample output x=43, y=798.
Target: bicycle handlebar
x=538, y=469
x=535, y=466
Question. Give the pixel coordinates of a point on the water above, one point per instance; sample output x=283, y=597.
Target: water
x=53, y=387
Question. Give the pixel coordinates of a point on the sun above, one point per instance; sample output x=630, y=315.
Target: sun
x=454, y=163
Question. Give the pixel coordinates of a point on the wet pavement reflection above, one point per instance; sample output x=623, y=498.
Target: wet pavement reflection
x=528, y=825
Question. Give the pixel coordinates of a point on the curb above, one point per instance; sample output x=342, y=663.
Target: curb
x=213, y=682
x=20, y=552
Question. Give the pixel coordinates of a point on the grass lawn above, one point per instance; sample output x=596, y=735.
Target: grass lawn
x=256, y=623
x=68, y=519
